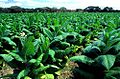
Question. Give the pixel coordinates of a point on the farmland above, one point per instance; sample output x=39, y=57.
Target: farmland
x=39, y=45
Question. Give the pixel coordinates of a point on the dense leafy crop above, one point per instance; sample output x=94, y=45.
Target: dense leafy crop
x=38, y=45
x=100, y=57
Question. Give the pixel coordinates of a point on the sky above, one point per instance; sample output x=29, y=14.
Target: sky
x=69, y=4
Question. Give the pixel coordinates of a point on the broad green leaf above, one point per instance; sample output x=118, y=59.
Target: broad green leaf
x=7, y=32
x=26, y=31
x=112, y=42
x=37, y=44
x=7, y=57
x=1, y=61
x=64, y=44
x=27, y=77
x=107, y=48
x=52, y=27
x=49, y=76
x=82, y=59
x=30, y=38
x=52, y=54
x=39, y=59
x=107, y=61
x=42, y=38
x=114, y=72
x=68, y=50
x=60, y=53
x=9, y=41
x=92, y=51
x=99, y=43
x=32, y=61
x=47, y=42
x=23, y=73
x=91, y=48
x=54, y=43
x=48, y=33
x=17, y=57
x=117, y=46
x=45, y=76
x=40, y=69
x=58, y=72
x=29, y=48
x=110, y=77
x=60, y=37
x=45, y=57
x=8, y=26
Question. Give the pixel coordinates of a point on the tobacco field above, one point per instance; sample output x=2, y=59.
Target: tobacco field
x=39, y=45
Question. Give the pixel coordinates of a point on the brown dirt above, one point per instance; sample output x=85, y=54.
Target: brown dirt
x=67, y=71
x=5, y=70
x=65, y=74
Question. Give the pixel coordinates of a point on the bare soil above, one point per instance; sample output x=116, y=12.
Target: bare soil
x=5, y=70
x=65, y=74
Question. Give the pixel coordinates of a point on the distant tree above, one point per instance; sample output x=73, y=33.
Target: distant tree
x=63, y=9
x=79, y=10
x=38, y=10
x=15, y=9
x=92, y=9
x=46, y=9
x=6, y=10
x=1, y=9
x=108, y=9
x=54, y=9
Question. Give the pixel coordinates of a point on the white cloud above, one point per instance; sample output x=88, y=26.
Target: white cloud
x=71, y=4
x=3, y=4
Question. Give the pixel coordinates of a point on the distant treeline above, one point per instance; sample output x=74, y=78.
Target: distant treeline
x=17, y=9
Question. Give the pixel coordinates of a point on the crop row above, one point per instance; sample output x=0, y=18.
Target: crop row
x=39, y=45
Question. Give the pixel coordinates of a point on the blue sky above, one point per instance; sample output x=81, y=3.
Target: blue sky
x=70, y=4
